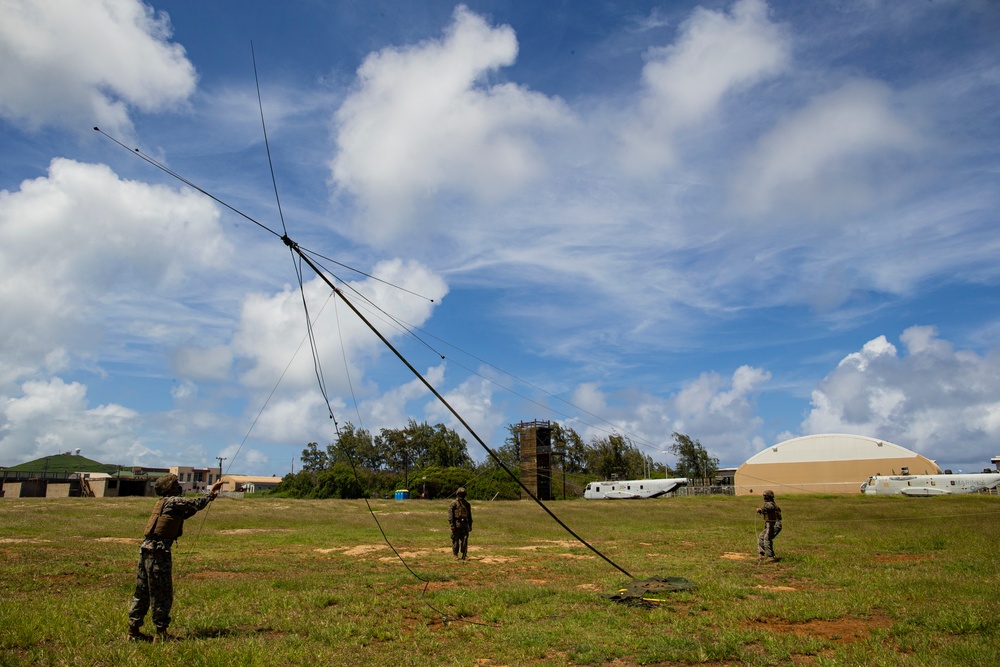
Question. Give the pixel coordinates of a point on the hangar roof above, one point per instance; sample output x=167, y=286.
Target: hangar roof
x=830, y=447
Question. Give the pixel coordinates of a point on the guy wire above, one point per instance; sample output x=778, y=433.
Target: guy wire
x=411, y=330
x=317, y=364
x=257, y=418
x=297, y=249
x=448, y=405
x=350, y=459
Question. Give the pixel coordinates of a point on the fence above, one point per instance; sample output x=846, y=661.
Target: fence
x=711, y=490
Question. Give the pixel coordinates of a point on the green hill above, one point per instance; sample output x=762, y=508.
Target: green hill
x=65, y=463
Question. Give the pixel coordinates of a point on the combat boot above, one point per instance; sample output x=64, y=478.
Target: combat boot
x=136, y=635
x=162, y=637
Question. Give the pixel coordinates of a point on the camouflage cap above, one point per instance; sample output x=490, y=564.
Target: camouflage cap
x=769, y=494
x=164, y=484
x=461, y=492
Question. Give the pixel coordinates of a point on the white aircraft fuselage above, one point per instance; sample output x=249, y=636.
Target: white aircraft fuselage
x=632, y=488
x=931, y=485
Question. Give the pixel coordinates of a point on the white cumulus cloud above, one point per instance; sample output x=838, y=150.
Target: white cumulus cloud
x=716, y=410
x=78, y=63
x=934, y=399
x=715, y=55
x=272, y=330
x=51, y=417
x=830, y=157
x=81, y=249
x=426, y=118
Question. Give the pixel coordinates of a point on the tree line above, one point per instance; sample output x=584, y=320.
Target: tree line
x=433, y=461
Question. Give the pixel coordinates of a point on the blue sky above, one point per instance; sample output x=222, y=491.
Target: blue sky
x=742, y=221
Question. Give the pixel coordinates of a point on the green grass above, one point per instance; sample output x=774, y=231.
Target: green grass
x=862, y=581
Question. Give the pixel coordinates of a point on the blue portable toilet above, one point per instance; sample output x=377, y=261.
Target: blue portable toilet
x=402, y=494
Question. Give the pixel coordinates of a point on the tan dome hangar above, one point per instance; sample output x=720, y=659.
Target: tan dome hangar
x=826, y=463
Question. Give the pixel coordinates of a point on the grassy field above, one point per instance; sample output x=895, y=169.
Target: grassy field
x=861, y=581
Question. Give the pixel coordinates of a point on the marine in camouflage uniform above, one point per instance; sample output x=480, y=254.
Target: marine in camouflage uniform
x=460, y=521
x=772, y=526
x=154, y=573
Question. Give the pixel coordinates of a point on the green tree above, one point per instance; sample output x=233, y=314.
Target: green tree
x=397, y=449
x=314, y=459
x=492, y=483
x=445, y=448
x=616, y=456
x=356, y=446
x=337, y=482
x=299, y=485
x=422, y=445
x=509, y=452
x=439, y=482
x=693, y=461
x=569, y=448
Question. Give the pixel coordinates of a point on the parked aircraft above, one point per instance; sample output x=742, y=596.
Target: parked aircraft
x=632, y=488
x=931, y=485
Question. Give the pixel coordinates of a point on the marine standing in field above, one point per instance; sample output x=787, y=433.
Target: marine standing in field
x=460, y=520
x=772, y=526
x=154, y=574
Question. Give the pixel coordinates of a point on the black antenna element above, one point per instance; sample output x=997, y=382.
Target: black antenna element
x=303, y=257
x=294, y=246
x=162, y=167
x=267, y=146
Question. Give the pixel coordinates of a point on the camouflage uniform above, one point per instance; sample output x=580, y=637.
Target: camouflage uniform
x=154, y=572
x=460, y=521
x=772, y=525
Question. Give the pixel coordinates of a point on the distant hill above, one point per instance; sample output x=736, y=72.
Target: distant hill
x=65, y=463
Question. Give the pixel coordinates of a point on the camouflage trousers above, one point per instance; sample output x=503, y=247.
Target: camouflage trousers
x=153, y=586
x=765, y=541
x=459, y=540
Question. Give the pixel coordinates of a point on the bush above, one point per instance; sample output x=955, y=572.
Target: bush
x=493, y=484
x=298, y=485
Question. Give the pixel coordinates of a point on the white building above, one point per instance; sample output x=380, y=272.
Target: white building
x=196, y=479
x=249, y=483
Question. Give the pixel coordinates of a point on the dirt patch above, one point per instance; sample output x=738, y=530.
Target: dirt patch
x=247, y=531
x=405, y=555
x=565, y=544
x=122, y=540
x=436, y=624
x=27, y=540
x=734, y=555
x=432, y=586
x=842, y=630
x=495, y=560
x=900, y=558
x=363, y=549
x=775, y=588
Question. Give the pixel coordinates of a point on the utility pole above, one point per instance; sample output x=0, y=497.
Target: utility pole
x=220, y=459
